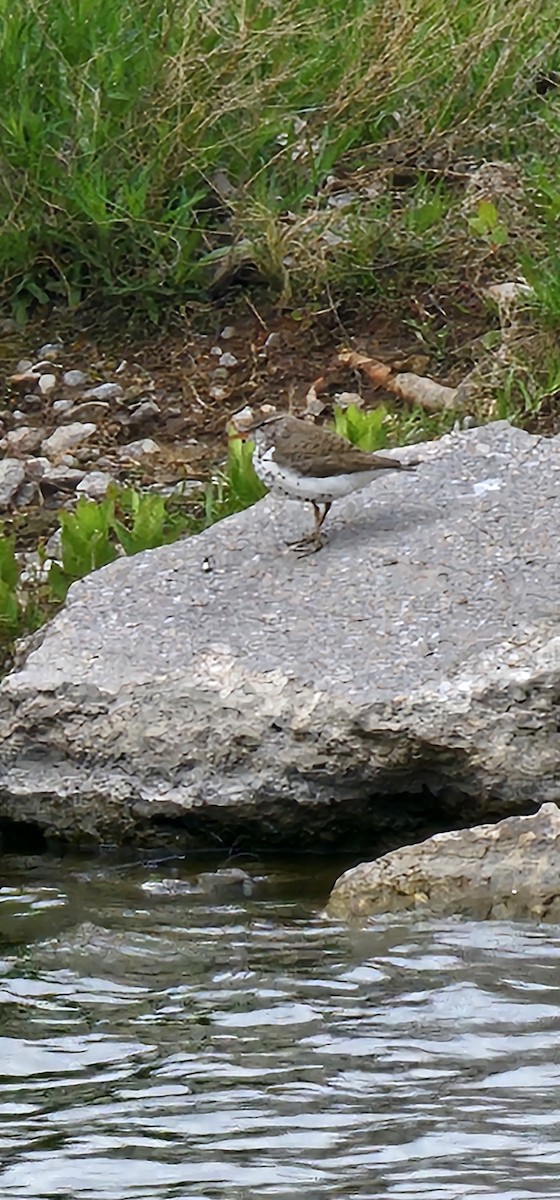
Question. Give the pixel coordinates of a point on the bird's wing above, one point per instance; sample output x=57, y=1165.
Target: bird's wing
x=325, y=456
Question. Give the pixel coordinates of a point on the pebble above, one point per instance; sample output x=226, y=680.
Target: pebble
x=272, y=339
x=121, y=367
x=89, y=454
x=26, y=493
x=228, y=360
x=24, y=379
x=216, y=351
x=18, y=416
x=50, y=350
x=144, y=448
x=44, y=365
x=25, y=440
x=30, y=401
x=74, y=379
x=95, y=485
x=36, y=570
x=12, y=476
x=66, y=437
x=90, y=410
x=218, y=393
x=145, y=411
x=53, y=547
x=104, y=391
x=36, y=467
x=62, y=477
x=47, y=383
x=227, y=333
x=62, y=406
x=24, y=365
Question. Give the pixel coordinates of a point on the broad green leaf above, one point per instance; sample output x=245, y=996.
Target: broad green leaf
x=10, y=613
x=9, y=568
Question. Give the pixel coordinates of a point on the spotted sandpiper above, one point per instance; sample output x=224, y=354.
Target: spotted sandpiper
x=311, y=463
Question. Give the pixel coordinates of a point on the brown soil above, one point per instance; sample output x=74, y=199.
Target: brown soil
x=278, y=358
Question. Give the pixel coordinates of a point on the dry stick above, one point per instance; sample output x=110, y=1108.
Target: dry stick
x=413, y=389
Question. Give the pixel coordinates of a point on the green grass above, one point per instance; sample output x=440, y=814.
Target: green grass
x=236, y=487
x=117, y=115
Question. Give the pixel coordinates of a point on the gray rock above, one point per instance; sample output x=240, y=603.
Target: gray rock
x=504, y=870
x=12, y=476
x=145, y=448
x=31, y=402
x=104, y=391
x=47, y=383
x=66, y=437
x=25, y=440
x=35, y=467
x=62, y=478
x=90, y=410
x=228, y=360
x=60, y=407
x=273, y=339
x=26, y=494
x=43, y=366
x=95, y=485
x=407, y=673
x=226, y=881
x=88, y=455
x=147, y=410
x=74, y=379
x=33, y=568
x=51, y=350
x=53, y=548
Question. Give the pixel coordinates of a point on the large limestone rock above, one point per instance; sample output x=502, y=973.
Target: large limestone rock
x=508, y=869
x=407, y=676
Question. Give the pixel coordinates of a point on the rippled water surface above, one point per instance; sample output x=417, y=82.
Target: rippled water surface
x=163, y=1038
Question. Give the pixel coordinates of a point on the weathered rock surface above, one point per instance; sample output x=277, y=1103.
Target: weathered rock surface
x=67, y=437
x=12, y=476
x=508, y=869
x=407, y=676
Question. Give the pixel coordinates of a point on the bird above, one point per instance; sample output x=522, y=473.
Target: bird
x=311, y=463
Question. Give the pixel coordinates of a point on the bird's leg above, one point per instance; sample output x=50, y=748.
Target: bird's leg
x=312, y=541
x=318, y=519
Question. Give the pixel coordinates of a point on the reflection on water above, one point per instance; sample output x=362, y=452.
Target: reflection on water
x=163, y=1039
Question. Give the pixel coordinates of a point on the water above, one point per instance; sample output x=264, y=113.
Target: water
x=159, y=1041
